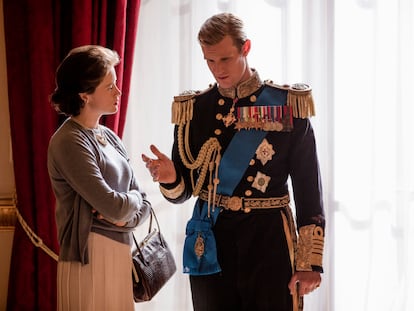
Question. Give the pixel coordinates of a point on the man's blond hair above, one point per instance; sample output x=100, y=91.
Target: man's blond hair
x=220, y=25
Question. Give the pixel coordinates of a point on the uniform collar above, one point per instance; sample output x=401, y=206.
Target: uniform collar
x=244, y=89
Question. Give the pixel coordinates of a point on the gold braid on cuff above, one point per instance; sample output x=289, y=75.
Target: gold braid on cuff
x=310, y=247
x=175, y=192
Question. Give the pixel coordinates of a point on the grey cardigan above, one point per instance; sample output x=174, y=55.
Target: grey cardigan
x=87, y=176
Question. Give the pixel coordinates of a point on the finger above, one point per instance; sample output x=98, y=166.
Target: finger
x=306, y=290
x=146, y=159
x=120, y=223
x=302, y=290
x=155, y=175
x=154, y=171
x=156, y=152
x=150, y=164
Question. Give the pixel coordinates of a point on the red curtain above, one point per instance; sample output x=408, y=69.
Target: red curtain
x=38, y=34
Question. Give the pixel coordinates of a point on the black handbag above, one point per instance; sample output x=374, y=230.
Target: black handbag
x=153, y=263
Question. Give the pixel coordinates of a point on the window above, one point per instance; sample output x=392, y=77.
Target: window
x=357, y=55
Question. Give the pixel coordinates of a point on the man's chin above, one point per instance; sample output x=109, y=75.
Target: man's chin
x=224, y=85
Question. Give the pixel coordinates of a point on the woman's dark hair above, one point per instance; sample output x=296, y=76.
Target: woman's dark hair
x=81, y=71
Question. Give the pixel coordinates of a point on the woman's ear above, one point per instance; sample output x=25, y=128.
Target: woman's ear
x=84, y=97
x=246, y=47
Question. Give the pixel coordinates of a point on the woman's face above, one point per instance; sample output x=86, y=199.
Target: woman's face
x=105, y=99
x=227, y=64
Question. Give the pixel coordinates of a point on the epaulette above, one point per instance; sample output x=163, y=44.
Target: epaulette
x=299, y=98
x=182, y=106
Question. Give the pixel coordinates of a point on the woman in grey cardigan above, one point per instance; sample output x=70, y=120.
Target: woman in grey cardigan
x=98, y=200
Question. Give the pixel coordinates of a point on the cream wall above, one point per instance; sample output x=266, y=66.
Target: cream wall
x=6, y=171
x=6, y=167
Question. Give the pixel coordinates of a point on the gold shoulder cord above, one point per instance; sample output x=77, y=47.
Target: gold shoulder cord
x=208, y=158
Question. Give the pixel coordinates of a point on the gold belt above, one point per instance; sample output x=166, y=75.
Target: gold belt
x=246, y=204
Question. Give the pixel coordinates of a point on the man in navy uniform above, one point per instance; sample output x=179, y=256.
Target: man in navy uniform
x=235, y=146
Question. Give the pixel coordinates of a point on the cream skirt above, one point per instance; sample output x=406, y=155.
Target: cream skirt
x=105, y=284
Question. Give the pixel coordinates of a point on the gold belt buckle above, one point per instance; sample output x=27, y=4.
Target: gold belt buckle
x=234, y=204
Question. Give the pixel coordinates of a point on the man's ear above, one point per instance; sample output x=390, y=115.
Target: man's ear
x=246, y=47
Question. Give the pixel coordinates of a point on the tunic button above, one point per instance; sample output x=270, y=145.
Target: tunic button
x=253, y=98
x=217, y=132
x=221, y=101
x=252, y=162
x=219, y=116
x=248, y=193
x=250, y=178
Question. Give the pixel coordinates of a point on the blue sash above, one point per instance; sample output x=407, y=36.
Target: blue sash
x=244, y=145
x=236, y=159
x=232, y=167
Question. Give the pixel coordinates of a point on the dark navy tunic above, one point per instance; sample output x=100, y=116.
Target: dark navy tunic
x=252, y=248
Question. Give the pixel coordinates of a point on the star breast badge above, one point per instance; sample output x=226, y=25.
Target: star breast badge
x=265, y=152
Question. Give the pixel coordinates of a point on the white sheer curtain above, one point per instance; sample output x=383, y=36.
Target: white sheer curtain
x=373, y=154
x=357, y=55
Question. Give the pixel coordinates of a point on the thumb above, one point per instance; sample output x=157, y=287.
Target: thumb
x=292, y=284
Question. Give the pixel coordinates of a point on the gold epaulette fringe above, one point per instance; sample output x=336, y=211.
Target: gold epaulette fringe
x=182, y=108
x=300, y=99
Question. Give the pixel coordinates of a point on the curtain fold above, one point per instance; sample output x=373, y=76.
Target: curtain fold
x=30, y=69
x=38, y=34
x=124, y=43
x=112, y=24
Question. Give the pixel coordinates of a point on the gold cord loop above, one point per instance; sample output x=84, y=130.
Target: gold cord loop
x=36, y=240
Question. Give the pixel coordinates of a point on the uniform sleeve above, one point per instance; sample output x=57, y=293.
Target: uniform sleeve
x=307, y=192
x=181, y=189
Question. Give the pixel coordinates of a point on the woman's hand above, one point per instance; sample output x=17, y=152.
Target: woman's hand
x=162, y=168
x=100, y=216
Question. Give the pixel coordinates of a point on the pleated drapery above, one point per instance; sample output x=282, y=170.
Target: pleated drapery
x=38, y=34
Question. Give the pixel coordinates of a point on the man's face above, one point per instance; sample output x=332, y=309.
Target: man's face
x=227, y=64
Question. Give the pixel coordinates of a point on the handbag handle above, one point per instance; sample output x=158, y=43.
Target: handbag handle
x=151, y=232
x=152, y=215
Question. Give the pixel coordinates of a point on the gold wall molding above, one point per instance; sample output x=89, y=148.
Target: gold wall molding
x=8, y=211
